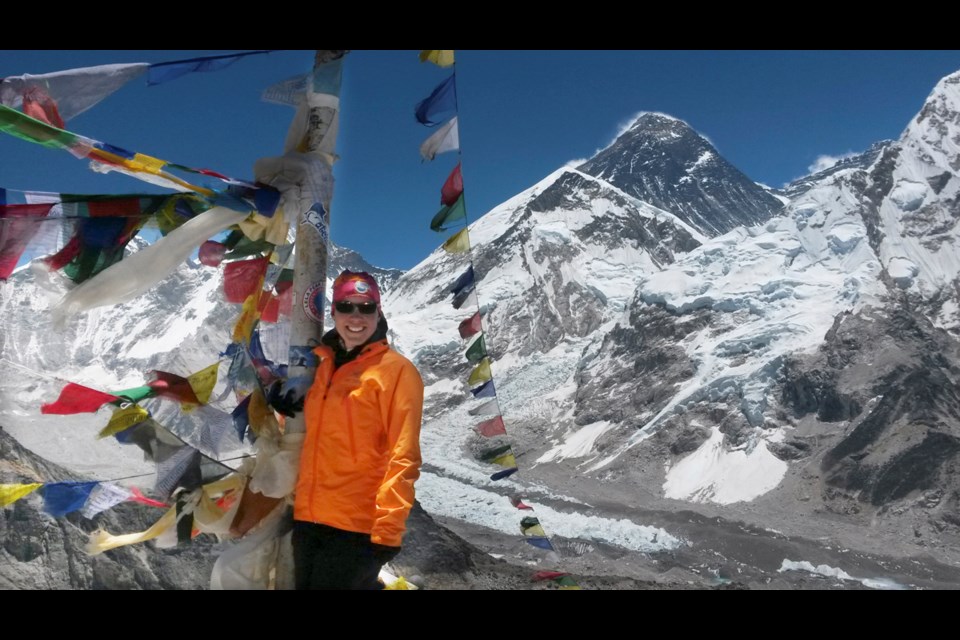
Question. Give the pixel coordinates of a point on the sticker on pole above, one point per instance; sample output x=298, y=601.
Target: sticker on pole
x=313, y=302
x=316, y=218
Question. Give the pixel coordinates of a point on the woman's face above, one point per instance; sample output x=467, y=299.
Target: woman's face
x=355, y=328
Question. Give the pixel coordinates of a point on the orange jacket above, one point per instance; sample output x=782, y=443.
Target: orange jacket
x=361, y=454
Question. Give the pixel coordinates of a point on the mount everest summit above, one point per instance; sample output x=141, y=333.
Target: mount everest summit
x=682, y=358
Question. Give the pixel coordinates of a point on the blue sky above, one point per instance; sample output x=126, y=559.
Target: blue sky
x=522, y=115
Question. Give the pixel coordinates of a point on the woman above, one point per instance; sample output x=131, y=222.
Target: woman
x=361, y=455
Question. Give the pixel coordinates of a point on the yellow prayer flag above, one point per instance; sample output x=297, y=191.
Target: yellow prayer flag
x=262, y=420
x=101, y=541
x=536, y=531
x=202, y=382
x=458, y=242
x=506, y=460
x=272, y=229
x=439, y=57
x=124, y=418
x=400, y=584
x=10, y=493
x=481, y=373
x=146, y=163
x=248, y=317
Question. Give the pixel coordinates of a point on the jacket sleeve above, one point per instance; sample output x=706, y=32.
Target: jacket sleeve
x=395, y=495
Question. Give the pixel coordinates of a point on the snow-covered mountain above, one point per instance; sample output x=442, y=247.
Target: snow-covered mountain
x=661, y=160
x=636, y=355
x=667, y=338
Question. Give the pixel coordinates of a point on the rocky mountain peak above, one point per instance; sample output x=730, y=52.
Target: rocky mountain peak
x=661, y=160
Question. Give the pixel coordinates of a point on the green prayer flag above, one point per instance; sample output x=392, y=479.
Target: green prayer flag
x=477, y=350
x=452, y=213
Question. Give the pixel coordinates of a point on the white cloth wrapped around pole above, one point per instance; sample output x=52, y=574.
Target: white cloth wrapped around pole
x=278, y=462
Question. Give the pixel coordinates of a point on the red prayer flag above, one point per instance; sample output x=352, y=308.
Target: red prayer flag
x=212, y=252
x=452, y=188
x=139, y=497
x=548, y=575
x=241, y=278
x=492, y=427
x=170, y=385
x=470, y=326
x=65, y=256
x=38, y=104
x=75, y=398
x=19, y=225
x=518, y=503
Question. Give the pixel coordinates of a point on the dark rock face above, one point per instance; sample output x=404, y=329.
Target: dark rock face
x=663, y=161
x=637, y=366
x=860, y=161
x=891, y=376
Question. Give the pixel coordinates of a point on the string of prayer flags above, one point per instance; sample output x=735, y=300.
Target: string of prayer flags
x=431, y=111
x=492, y=427
x=446, y=138
x=448, y=214
x=106, y=157
x=440, y=104
x=61, y=498
x=165, y=71
x=96, y=228
x=439, y=57
x=75, y=398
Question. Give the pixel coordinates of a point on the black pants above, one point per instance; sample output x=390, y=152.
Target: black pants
x=329, y=558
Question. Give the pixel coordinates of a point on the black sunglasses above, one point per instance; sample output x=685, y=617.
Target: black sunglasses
x=347, y=307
